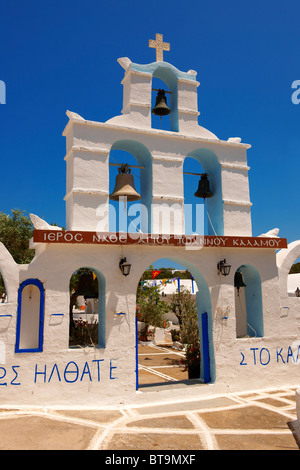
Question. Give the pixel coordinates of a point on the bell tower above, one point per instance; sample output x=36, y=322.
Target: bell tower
x=160, y=154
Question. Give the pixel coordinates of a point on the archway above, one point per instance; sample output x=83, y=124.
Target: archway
x=199, y=291
x=87, y=308
x=285, y=259
x=248, y=302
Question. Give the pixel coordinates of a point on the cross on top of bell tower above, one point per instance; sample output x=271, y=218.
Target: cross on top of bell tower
x=160, y=46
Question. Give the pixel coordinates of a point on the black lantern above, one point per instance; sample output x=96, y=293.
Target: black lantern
x=224, y=268
x=297, y=292
x=125, y=267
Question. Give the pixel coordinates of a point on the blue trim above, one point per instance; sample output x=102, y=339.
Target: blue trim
x=136, y=354
x=5, y=315
x=153, y=66
x=39, y=285
x=205, y=348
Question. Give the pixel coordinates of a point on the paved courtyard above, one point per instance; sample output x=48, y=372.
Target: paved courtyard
x=259, y=420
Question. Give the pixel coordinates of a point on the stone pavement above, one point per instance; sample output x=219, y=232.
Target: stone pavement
x=260, y=420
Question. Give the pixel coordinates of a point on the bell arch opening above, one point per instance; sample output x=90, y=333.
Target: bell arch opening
x=248, y=302
x=187, y=343
x=212, y=210
x=87, y=308
x=164, y=78
x=133, y=216
x=160, y=105
x=195, y=213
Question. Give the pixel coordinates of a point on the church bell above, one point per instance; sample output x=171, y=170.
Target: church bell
x=86, y=286
x=161, y=108
x=124, y=186
x=239, y=281
x=203, y=190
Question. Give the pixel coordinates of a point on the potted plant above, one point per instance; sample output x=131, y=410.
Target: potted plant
x=192, y=360
x=175, y=335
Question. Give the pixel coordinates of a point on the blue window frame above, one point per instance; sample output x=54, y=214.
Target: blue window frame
x=19, y=348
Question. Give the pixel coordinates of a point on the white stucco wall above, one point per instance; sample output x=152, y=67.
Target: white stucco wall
x=59, y=375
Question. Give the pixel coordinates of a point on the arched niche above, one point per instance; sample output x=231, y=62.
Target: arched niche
x=248, y=304
x=143, y=180
x=92, y=318
x=213, y=205
x=30, y=316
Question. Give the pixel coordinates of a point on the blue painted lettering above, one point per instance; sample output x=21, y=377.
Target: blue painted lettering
x=290, y=354
x=15, y=377
x=76, y=372
x=3, y=374
x=254, y=354
x=242, y=363
x=57, y=371
x=40, y=373
x=268, y=357
x=279, y=355
x=98, y=367
x=86, y=370
x=110, y=370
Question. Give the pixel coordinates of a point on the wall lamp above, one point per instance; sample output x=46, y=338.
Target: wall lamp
x=297, y=292
x=124, y=267
x=223, y=267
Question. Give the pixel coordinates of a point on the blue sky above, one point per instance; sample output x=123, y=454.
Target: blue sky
x=59, y=55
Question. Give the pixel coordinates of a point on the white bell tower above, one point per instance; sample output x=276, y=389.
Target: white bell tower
x=160, y=153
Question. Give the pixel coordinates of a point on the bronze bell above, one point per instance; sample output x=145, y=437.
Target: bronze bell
x=161, y=108
x=239, y=281
x=86, y=286
x=203, y=190
x=124, y=186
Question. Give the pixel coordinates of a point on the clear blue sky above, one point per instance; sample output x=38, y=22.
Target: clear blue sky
x=59, y=55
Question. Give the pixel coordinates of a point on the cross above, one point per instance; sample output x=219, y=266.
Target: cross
x=160, y=46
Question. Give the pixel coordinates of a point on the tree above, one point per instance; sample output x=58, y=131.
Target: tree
x=15, y=233
x=150, y=309
x=295, y=268
x=181, y=302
